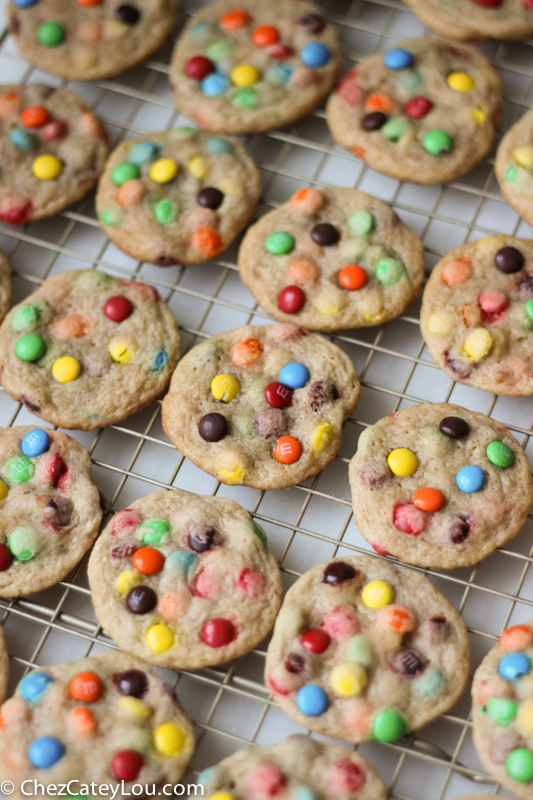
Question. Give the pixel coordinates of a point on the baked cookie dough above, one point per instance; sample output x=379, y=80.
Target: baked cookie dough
x=184, y=581
x=476, y=20
x=331, y=260
x=439, y=486
x=6, y=286
x=423, y=112
x=87, y=350
x=299, y=768
x=477, y=315
x=178, y=197
x=261, y=406
x=52, y=149
x=104, y=719
x=249, y=67
x=89, y=39
x=514, y=166
x=366, y=650
x=50, y=508
x=502, y=711
x=4, y=665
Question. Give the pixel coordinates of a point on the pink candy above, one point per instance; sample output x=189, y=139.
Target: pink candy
x=349, y=89
x=282, y=682
x=266, y=781
x=493, y=305
x=130, y=193
x=380, y=550
x=55, y=130
x=251, y=582
x=146, y=291
x=285, y=330
x=410, y=519
x=203, y=218
x=207, y=583
x=125, y=522
x=15, y=210
x=54, y=470
x=279, y=51
x=346, y=776
x=341, y=623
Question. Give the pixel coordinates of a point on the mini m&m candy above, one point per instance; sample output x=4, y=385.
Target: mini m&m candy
x=402, y=462
x=66, y=369
x=348, y=680
x=460, y=82
x=34, y=686
x=291, y=299
x=294, y=375
x=312, y=700
x=35, y=443
x=514, y=665
x=159, y=638
x=225, y=388
x=398, y=59
x=288, y=450
x=500, y=455
x=280, y=243
x=389, y=726
x=470, y=479
x=50, y=34
x=438, y=143
x=45, y=751
x=86, y=686
x=377, y=594
x=164, y=170
x=169, y=739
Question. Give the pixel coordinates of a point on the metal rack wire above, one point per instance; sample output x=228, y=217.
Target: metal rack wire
x=230, y=706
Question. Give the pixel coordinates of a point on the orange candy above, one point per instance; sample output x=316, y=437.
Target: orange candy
x=457, y=271
x=379, y=102
x=90, y=32
x=86, y=686
x=83, y=721
x=34, y=117
x=172, y=606
x=428, y=499
x=516, y=638
x=399, y=618
x=288, y=450
x=307, y=201
x=265, y=35
x=88, y=3
x=130, y=193
x=148, y=560
x=303, y=272
x=207, y=242
x=9, y=104
x=73, y=327
x=232, y=20
x=246, y=353
x=353, y=277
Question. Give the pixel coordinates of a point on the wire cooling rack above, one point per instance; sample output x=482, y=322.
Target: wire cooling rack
x=310, y=523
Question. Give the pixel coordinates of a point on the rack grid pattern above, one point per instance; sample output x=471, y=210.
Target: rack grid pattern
x=230, y=706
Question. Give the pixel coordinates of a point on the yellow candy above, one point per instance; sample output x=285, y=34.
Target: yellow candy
x=441, y=322
x=233, y=477
x=331, y=305
x=4, y=489
x=169, y=739
x=198, y=167
x=377, y=594
x=127, y=580
x=524, y=718
x=66, y=369
x=244, y=75
x=402, y=462
x=461, y=82
x=135, y=707
x=116, y=29
x=163, y=170
x=478, y=344
x=322, y=436
x=159, y=638
x=524, y=156
x=222, y=796
x=479, y=115
x=348, y=680
x=47, y=168
x=121, y=350
x=225, y=388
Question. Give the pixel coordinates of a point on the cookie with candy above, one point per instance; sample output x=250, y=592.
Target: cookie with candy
x=476, y=20
x=514, y=166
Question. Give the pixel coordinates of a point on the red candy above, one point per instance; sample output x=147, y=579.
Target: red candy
x=315, y=640
x=54, y=470
x=341, y=623
x=55, y=130
x=380, y=550
x=145, y=291
x=125, y=521
x=493, y=305
x=350, y=89
x=267, y=781
x=15, y=210
x=280, y=51
x=5, y=557
x=418, y=107
x=118, y=308
x=347, y=776
x=291, y=299
x=278, y=395
x=488, y=3
x=218, y=632
x=410, y=519
x=198, y=67
x=126, y=765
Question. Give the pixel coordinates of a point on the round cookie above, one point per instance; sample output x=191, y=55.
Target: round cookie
x=178, y=197
x=51, y=509
x=4, y=665
x=90, y=39
x=514, y=166
x=249, y=67
x=104, y=719
x=476, y=20
x=52, y=149
x=87, y=350
x=184, y=581
x=365, y=650
x=439, y=486
x=298, y=768
x=502, y=711
x=262, y=405
x=477, y=315
x=6, y=286
x=331, y=260
x=423, y=112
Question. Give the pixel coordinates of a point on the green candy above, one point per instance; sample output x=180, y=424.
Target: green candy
x=394, y=129
x=511, y=174
x=30, y=347
x=50, y=34
x=219, y=146
x=389, y=726
x=24, y=544
x=500, y=454
x=360, y=650
x=430, y=682
x=410, y=80
x=502, y=711
x=218, y=50
x=19, y=469
x=519, y=765
x=24, y=317
x=165, y=211
x=389, y=271
x=259, y=532
x=124, y=172
x=437, y=143
x=361, y=222
x=279, y=244
x=109, y=217
x=154, y=530
x=529, y=309
x=244, y=98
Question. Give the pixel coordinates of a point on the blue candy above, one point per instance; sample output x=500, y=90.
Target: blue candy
x=214, y=84
x=514, y=665
x=303, y=793
x=312, y=700
x=22, y=139
x=205, y=776
x=470, y=479
x=143, y=152
x=218, y=145
x=45, y=751
x=24, y=3
x=279, y=74
x=35, y=442
x=294, y=375
x=398, y=59
x=161, y=360
x=180, y=561
x=200, y=29
x=314, y=55
x=34, y=686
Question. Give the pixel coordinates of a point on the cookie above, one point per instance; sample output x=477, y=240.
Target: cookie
x=502, y=711
x=439, y=486
x=104, y=719
x=477, y=315
x=87, y=350
x=51, y=509
x=6, y=286
x=261, y=406
x=299, y=768
x=423, y=112
x=4, y=665
x=364, y=650
x=514, y=166
x=476, y=20
x=331, y=260
x=184, y=581
x=249, y=67
x=52, y=149
x=178, y=197
x=90, y=39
